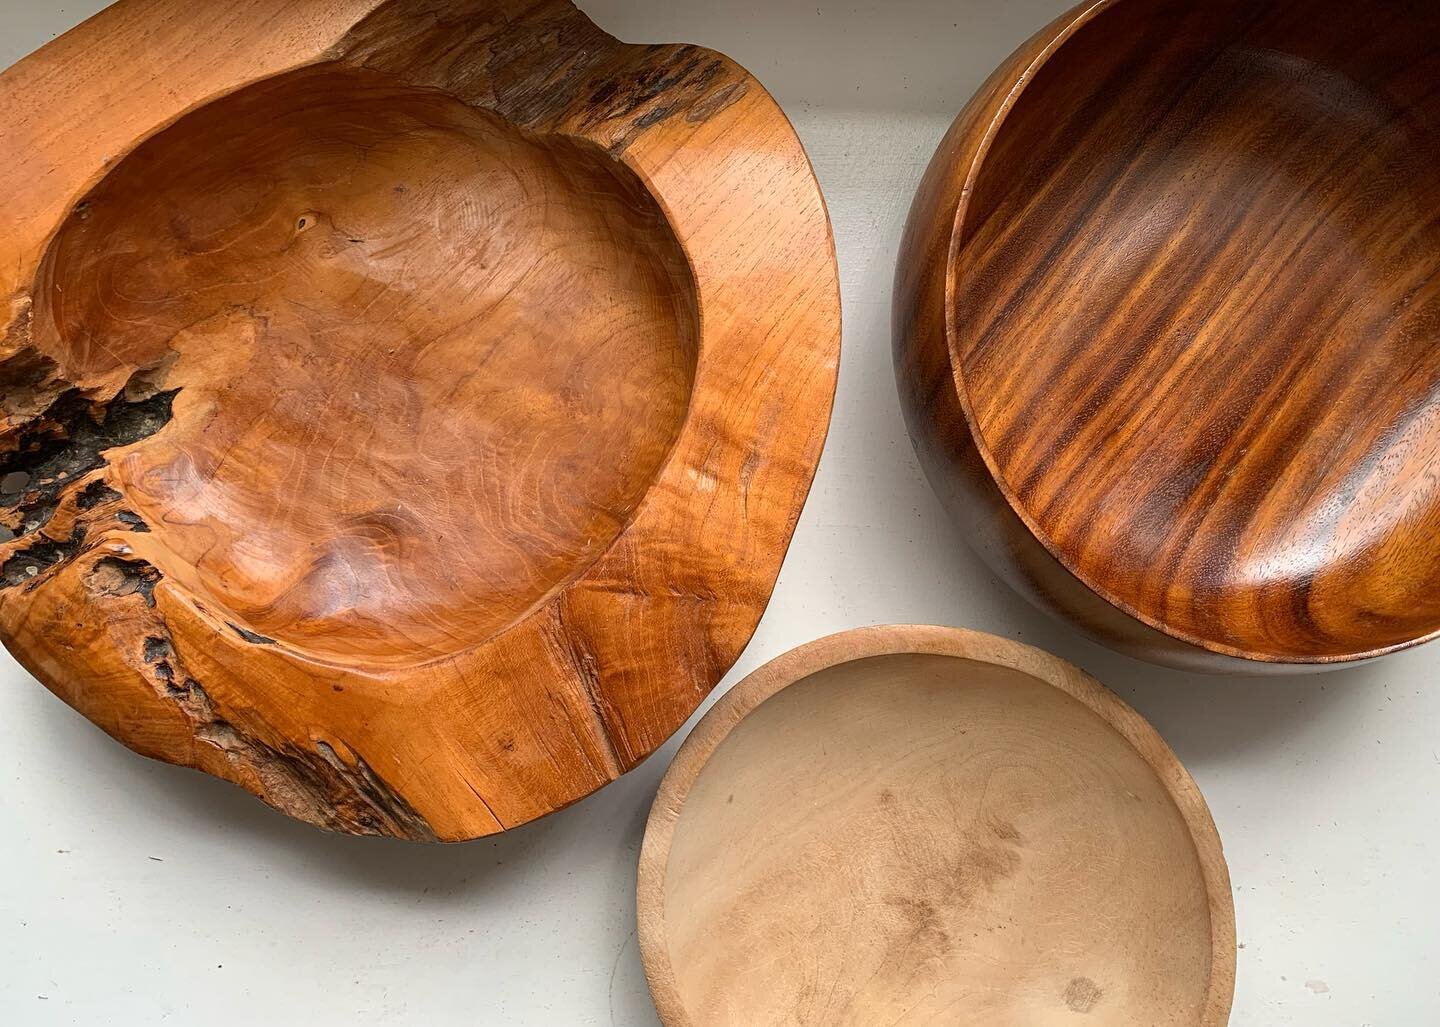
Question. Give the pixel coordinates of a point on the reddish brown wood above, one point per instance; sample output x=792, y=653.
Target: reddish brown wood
x=1166, y=326
x=406, y=406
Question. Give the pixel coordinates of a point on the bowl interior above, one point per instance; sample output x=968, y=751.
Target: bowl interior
x=1196, y=313
x=930, y=839
x=428, y=363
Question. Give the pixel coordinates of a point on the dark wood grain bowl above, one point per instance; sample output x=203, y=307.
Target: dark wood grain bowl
x=404, y=406
x=924, y=825
x=1167, y=327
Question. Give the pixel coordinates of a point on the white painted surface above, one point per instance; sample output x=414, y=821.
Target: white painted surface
x=132, y=893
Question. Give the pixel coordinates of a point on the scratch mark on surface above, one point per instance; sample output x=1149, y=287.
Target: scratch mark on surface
x=615, y=969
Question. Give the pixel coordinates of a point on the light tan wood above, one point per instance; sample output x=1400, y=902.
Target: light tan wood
x=404, y=406
x=913, y=825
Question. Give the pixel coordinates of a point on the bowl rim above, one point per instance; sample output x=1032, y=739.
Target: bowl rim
x=901, y=639
x=1044, y=45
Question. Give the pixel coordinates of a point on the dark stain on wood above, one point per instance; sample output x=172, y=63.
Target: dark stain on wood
x=1082, y=995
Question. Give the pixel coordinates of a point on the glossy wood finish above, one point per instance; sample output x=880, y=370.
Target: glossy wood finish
x=407, y=406
x=1166, y=327
x=914, y=825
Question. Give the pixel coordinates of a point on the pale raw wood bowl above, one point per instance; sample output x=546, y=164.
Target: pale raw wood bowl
x=404, y=406
x=1167, y=327
x=914, y=825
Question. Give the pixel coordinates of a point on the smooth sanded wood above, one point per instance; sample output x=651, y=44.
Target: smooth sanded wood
x=916, y=825
x=406, y=406
x=1166, y=326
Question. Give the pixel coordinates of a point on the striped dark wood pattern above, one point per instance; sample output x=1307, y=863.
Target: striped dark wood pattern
x=1167, y=324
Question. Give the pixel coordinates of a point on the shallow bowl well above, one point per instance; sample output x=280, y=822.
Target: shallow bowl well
x=926, y=825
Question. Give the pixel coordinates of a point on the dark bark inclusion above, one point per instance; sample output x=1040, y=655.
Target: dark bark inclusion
x=117, y=577
x=54, y=451
x=253, y=637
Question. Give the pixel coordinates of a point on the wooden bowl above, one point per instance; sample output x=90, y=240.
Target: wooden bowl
x=1166, y=326
x=406, y=406
x=908, y=825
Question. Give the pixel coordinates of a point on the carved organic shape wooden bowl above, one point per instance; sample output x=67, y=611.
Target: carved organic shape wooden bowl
x=1166, y=326
x=407, y=405
x=918, y=825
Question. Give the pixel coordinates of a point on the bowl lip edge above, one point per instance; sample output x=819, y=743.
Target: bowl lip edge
x=854, y=644
x=1046, y=43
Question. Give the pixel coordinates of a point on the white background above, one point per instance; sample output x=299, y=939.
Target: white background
x=133, y=893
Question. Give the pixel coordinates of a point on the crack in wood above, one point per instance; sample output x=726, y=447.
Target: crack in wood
x=587, y=675
x=317, y=786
